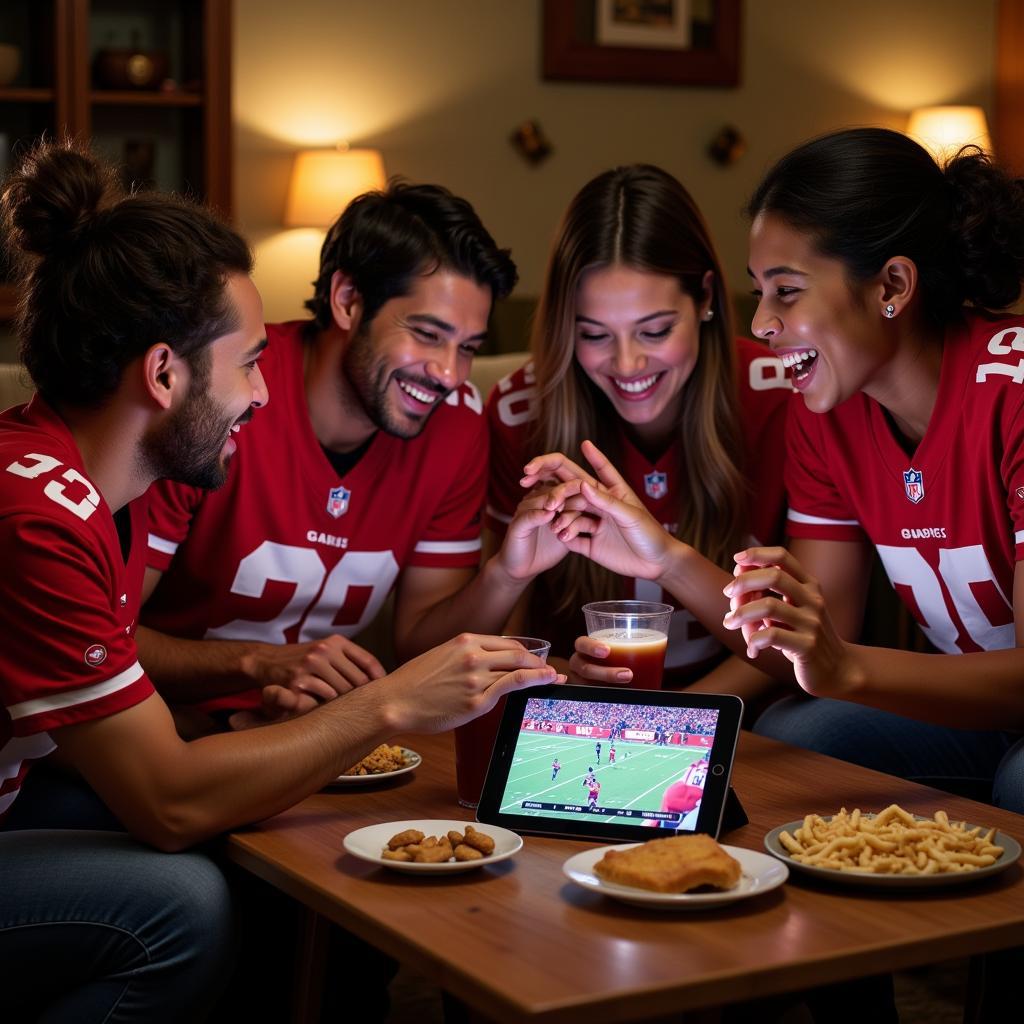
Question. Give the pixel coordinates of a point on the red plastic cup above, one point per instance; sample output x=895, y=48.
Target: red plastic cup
x=474, y=741
x=636, y=633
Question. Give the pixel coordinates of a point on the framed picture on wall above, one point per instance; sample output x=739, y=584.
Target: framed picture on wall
x=661, y=42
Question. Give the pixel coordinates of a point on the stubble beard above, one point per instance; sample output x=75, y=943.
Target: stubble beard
x=368, y=380
x=188, y=447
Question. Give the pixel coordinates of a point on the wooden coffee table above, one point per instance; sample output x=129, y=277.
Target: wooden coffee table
x=520, y=941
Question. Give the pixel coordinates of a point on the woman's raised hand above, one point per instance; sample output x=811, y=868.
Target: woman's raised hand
x=776, y=604
x=611, y=525
x=530, y=546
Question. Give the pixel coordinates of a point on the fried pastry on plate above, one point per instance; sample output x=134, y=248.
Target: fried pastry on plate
x=677, y=864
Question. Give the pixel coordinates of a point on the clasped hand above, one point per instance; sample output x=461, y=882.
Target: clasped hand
x=777, y=605
x=295, y=678
x=598, y=516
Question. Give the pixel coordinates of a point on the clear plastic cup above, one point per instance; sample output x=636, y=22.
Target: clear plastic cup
x=636, y=632
x=474, y=741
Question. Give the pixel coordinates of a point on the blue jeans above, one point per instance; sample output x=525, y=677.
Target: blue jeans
x=986, y=766
x=174, y=925
x=95, y=926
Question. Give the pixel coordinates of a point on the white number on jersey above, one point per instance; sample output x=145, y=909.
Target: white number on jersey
x=318, y=595
x=515, y=407
x=54, y=489
x=766, y=373
x=959, y=568
x=470, y=397
x=1004, y=343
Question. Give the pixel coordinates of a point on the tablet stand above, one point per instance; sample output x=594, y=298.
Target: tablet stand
x=733, y=815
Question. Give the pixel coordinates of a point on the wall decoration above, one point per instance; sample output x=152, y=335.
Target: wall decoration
x=658, y=24
x=661, y=42
x=727, y=146
x=531, y=142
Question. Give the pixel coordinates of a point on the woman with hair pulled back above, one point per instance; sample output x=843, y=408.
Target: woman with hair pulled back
x=633, y=347
x=882, y=281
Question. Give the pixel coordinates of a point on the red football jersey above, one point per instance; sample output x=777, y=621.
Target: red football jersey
x=764, y=397
x=70, y=601
x=286, y=551
x=947, y=521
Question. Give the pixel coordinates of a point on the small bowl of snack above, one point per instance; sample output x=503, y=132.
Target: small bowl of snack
x=686, y=872
x=431, y=846
x=383, y=762
x=891, y=849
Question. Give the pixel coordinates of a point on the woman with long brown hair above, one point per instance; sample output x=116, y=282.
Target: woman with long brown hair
x=633, y=347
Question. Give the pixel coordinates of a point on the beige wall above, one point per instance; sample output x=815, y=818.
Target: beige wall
x=439, y=84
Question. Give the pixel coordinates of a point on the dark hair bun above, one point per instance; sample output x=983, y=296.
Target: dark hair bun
x=868, y=194
x=987, y=223
x=52, y=197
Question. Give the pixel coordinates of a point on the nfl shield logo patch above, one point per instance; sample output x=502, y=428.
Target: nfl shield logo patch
x=337, y=501
x=656, y=484
x=913, y=484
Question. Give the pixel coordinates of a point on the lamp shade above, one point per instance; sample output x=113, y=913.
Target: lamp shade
x=325, y=181
x=944, y=130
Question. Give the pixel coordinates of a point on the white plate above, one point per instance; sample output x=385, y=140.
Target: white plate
x=368, y=843
x=760, y=874
x=869, y=879
x=412, y=761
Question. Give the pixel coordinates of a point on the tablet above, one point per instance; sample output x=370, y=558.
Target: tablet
x=596, y=763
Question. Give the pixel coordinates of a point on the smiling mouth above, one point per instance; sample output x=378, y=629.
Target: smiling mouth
x=242, y=420
x=636, y=386
x=419, y=394
x=800, y=362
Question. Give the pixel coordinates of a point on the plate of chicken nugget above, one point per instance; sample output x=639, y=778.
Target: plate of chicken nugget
x=680, y=873
x=432, y=846
x=382, y=763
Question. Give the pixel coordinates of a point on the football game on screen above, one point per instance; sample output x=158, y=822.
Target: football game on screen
x=621, y=763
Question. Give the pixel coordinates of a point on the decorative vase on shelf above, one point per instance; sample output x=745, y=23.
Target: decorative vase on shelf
x=10, y=63
x=129, y=67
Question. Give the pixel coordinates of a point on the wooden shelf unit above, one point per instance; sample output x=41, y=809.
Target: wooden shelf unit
x=182, y=129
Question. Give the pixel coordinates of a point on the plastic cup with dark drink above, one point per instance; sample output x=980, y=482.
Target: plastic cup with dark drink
x=637, y=634
x=474, y=741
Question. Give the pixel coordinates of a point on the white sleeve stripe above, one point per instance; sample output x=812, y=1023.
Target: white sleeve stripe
x=500, y=516
x=447, y=547
x=1018, y=537
x=799, y=517
x=69, y=698
x=168, y=547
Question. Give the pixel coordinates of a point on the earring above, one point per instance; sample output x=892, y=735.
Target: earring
x=708, y=315
x=890, y=311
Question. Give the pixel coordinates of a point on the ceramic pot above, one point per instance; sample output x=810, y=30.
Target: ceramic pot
x=127, y=68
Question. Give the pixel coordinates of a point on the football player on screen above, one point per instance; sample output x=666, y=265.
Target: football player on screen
x=684, y=795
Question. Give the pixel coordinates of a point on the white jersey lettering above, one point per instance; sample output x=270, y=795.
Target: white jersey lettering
x=318, y=596
x=1005, y=343
x=54, y=489
x=470, y=396
x=958, y=570
x=766, y=373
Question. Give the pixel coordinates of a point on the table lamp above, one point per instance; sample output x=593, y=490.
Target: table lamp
x=944, y=130
x=325, y=181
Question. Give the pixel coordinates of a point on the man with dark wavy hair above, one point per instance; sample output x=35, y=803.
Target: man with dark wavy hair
x=366, y=474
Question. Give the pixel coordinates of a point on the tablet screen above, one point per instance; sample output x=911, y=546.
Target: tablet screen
x=586, y=761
